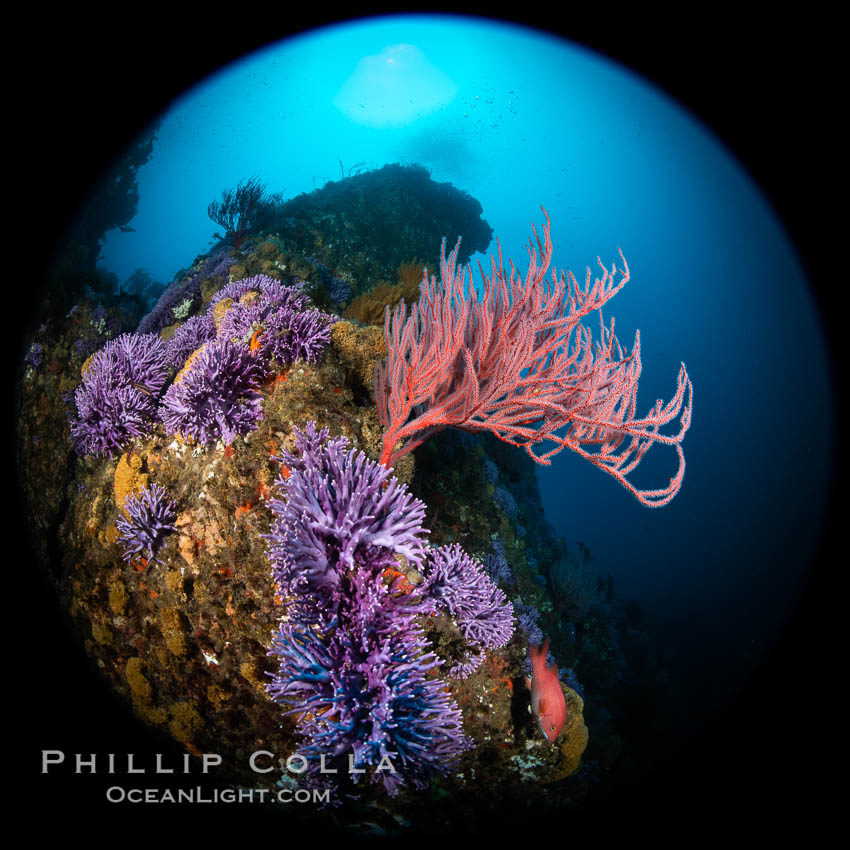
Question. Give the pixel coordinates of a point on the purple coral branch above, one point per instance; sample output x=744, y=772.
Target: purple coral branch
x=149, y=517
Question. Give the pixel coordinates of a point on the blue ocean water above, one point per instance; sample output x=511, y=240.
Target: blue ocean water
x=617, y=164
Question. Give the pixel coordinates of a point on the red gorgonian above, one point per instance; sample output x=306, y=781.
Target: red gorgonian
x=519, y=362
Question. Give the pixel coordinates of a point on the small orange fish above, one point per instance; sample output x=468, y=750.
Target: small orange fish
x=255, y=341
x=547, y=698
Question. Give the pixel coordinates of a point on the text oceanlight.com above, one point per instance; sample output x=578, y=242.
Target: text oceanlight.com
x=117, y=794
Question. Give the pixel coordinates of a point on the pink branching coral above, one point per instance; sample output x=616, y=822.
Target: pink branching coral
x=518, y=362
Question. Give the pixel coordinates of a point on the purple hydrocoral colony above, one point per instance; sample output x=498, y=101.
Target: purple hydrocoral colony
x=216, y=396
x=340, y=509
x=497, y=565
x=277, y=317
x=459, y=585
x=269, y=289
x=353, y=657
x=528, y=620
x=141, y=359
x=290, y=335
x=343, y=509
x=149, y=518
x=364, y=692
x=116, y=400
x=189, y=337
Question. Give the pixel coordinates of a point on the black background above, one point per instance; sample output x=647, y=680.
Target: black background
x=80, y=85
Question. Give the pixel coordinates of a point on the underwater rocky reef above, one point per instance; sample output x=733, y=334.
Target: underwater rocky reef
x=204, y=489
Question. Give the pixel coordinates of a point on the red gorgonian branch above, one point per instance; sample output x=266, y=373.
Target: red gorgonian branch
x=518, y=362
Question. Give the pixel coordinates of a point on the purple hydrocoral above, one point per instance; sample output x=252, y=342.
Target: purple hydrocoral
x=364, y=691
x=338, y=291
x=34, y=355
x=185, y=289
x=354, y=662
x=277, y=317
x=216, y=396
x=269, y=289
x=528, y=620
x=497, y=565
x=189, y=337
x=116, y=400
x=340, y=509
x=505, y=502
x=309, y=333
x=149, y=517
x=138, y=359
x=460, y=586
x=290, y=335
